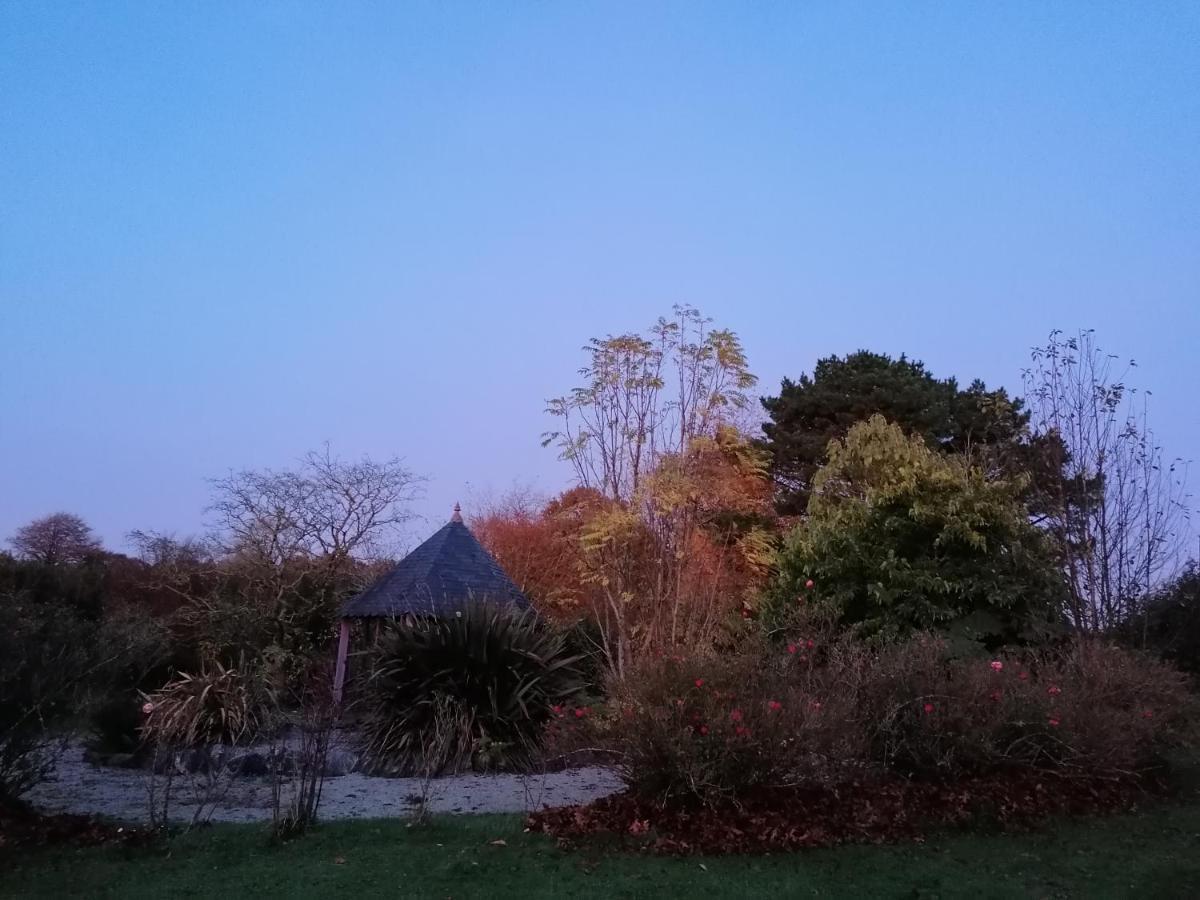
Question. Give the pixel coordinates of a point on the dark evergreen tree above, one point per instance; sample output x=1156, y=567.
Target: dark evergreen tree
x=811, y=412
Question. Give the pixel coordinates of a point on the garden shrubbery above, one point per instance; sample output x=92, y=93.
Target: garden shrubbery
x=45, y=657
x=213, y=706
x=828, y=710
x=480, y=687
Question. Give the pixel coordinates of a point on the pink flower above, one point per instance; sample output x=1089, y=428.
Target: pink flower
x=678, y=701
x=1148, y=714
x=774, y=705
x=997, y=665
x=928, y=708
x=1053, y=722
x=582, y=711
x=736, y=715
x=809, y=584
x=791, y=648
x=1024, y=676
x=809, y=644
x=1054, y=690
x=557, y=710
x=703, y=729
x=699, y=682
x=147, y=708
x=742, y=731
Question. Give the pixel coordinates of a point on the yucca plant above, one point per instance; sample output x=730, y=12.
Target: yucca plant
x=501, y=670
x=215, y=705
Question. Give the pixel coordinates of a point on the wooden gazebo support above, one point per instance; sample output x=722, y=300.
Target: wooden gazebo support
x=339, y=671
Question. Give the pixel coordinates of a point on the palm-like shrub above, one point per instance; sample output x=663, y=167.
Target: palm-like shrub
x=215, y=705
x=500, y=671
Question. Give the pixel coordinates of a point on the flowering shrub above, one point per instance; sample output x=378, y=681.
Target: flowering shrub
x=1092, y=709
x=712, y=729
x=818, y=711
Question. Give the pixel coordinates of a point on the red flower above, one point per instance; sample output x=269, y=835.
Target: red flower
x=557, y=710
x=774, y=705
x=703, y=729
x=742, y=731
x=1053, y=722
x=699, y=682
x=1148, y=714
x=809, y=584
x=1053, y=690
x=678, y=701
x=997, y=665
x=791, y=648
x=809, y=644
x=582, y=711
x=736, y=715
x=928, y=708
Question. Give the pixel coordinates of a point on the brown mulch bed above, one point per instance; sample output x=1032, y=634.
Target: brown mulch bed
x=858, y=812
x=21, y=826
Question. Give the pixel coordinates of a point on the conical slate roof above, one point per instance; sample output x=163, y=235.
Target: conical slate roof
x=439, y=578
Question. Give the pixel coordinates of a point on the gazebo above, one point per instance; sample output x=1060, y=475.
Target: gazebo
x=439, y=578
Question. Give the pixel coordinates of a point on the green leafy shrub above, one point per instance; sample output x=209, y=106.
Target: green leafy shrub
x=502, y=670
x=900, y=539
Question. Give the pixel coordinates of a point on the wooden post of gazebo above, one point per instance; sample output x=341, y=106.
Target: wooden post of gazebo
x=339, y=671
x=439, y=578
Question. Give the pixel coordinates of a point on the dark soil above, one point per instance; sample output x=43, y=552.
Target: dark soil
x=859, y=812
x=21, y=826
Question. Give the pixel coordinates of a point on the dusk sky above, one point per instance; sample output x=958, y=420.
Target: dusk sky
x=230, y=232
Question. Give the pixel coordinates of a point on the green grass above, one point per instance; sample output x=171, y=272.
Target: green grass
x=1153, y=854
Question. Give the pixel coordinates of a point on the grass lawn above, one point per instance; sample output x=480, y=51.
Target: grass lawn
x=1153, y=854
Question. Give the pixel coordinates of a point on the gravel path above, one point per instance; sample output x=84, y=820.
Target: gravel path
x=121, y=794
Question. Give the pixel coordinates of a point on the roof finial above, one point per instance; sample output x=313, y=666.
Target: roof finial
x=457, y=517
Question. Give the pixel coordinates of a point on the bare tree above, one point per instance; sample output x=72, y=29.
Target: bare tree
x=644, y=396
x=324, y=508
x=58, y=539
x=1118, y=511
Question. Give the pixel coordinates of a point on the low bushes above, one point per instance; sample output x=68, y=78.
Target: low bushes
x=815, y=711
x=474, y=690
x=45, y=662
x=215, y=705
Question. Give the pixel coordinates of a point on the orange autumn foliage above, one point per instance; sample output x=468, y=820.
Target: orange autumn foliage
x=538, y=545
x=669, y=568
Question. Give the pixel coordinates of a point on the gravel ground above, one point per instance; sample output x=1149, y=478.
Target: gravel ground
x=79, y=787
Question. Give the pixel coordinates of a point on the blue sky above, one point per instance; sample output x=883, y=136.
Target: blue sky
x=229, y=232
